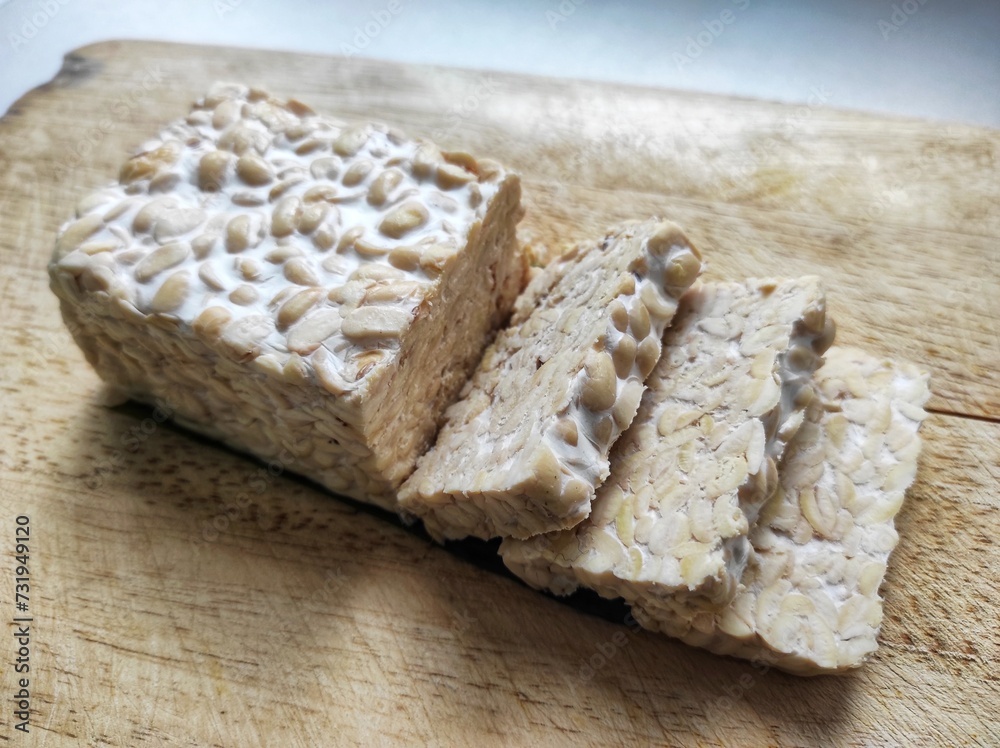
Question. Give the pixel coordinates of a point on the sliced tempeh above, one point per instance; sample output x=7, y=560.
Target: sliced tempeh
x=689, y=476
x=527, y=444
x=809, y=601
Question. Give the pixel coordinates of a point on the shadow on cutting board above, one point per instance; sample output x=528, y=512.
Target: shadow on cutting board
x=489, y=643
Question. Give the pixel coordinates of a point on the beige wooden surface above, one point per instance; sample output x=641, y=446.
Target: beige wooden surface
x=307, y=622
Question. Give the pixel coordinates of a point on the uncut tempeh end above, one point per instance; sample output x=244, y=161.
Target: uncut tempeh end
x=689, y=476
x=809, y=601
x=306, y=291
x=524, y=448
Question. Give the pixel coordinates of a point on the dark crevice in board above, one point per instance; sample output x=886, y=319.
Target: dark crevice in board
x=76, y=70
x=480, y=553
x=955, y=414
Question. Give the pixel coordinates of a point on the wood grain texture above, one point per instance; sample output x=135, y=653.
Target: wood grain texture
x=183, y=597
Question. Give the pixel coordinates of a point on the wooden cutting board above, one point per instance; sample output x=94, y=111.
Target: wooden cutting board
x=163, y=617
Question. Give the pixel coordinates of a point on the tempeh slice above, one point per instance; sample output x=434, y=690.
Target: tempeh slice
x=809, y=600
x=311, y=292
x=525, y=447
x=689, y=476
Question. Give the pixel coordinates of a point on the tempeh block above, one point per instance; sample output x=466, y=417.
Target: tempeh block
x=809, y=600
x=307, y=291
x=700, y=459
x=525, y=447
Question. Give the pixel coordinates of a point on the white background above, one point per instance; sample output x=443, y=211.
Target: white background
x=938, y=59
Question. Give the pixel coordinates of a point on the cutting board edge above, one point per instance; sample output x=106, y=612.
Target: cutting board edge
x=96, y=50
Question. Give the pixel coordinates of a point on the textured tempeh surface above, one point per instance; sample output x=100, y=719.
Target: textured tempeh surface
x=305, y=618
x=689, y=476
x=808, y=601
x=526, y=445
x=285, y=282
